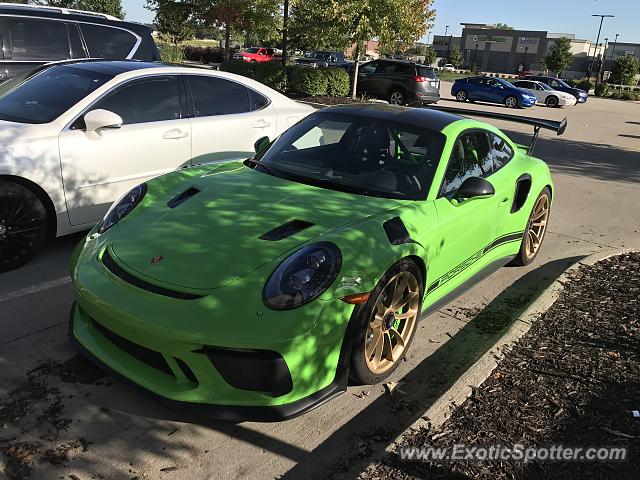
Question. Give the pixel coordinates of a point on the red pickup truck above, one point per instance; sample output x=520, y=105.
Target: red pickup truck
x=256, y=54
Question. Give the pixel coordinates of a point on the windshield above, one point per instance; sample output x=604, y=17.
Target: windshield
x=252, y=50
x=544, y=86
x=45, y=96
x=428, y=72
x=318, y=55
x=357, y=154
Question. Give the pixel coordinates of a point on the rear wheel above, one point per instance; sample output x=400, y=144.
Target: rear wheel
x=397, y=97
x=387, y=324
x=536, y=229
x=511, y=102
x=23, y=225
x=551, y=101
x=461, y=96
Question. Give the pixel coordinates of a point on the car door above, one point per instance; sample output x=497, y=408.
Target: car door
x=367, y=76
x=495, y=91
x=465, y=227
x=97, y=167
x=228, y=118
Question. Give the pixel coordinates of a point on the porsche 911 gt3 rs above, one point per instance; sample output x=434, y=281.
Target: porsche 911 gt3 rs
x=255, y=289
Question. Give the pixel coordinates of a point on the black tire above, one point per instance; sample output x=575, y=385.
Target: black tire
x=23, y=225
x=359, y=371
x=552, y=101
x=511, y=102
x=462, y=96
x=523, y=257
x=397, y=97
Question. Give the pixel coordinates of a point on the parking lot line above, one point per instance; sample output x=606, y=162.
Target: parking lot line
x=35, y=289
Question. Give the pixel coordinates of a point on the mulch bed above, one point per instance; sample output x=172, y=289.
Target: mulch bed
x=572, y=380
x=325, y=100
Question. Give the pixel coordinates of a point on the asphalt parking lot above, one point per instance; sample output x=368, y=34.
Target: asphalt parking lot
x=99, y=428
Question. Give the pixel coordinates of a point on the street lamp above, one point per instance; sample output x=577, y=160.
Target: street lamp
x=603, y=57
x=615, y=42
x=602, y=17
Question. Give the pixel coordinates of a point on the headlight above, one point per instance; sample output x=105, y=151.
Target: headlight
x=302, y=277
x=122, y=207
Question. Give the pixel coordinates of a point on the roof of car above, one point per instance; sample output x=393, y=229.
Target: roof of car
x=421, y=117
x=115, y=67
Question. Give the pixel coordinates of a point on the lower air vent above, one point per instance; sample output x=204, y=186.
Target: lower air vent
x=122, y=274
x=286, y=230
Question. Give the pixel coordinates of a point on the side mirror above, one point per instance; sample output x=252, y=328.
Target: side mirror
x=474, y=187
x=98, y=119
x=261, y=144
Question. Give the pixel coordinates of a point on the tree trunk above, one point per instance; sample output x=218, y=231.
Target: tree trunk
x=285, y=33
x=355, y=70
x=227, y=36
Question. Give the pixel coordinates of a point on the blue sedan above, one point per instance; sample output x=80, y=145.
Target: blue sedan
x=494, y=90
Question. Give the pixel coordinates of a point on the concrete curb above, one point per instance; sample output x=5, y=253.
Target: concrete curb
x=438, y=412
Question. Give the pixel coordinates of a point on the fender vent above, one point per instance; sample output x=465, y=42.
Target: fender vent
x=183, y=197
x=286, y=230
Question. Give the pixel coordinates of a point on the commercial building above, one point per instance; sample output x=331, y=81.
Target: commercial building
x=508, y=51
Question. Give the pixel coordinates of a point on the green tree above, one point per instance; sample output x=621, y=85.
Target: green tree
x=342, y=23
x=559, y=56
x=624, y=70
x=110, y=7
x=430, y=55
x=174, y=19
x=455, y=57
x=503, y=26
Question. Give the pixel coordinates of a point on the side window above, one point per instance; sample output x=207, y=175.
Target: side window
x=152, y=99
x=369, y=67
x=257, y=101
x=107, y=42
x=35, y=39
x=469, y=158
x=500, y=152
x=217, y=96
x=554, y=84
x=391, y=68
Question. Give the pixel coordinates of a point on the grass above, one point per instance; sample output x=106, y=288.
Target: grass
x=205, y=42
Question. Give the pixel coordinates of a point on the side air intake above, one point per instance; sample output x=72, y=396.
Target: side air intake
x=183, y=197
x=286, y=230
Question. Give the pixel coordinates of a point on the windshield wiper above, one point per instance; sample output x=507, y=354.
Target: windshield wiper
x=263, y=165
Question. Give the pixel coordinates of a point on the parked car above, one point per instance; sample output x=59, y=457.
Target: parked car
x=256, y=289
x=257, y=54
x=560, y=85
x=399, y=82
x=494, y=90
x=75, y=136
x=323, y=59
x=33, y=35
x=448, y=67
x=545, y=94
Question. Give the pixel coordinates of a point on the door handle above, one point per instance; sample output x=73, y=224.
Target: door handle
x=262, y=123
x=174, y=134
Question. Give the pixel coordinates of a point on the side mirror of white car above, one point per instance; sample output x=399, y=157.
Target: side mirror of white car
x=97, y=119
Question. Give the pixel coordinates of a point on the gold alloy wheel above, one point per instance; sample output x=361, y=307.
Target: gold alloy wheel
x=393, y=322
x=537, y=226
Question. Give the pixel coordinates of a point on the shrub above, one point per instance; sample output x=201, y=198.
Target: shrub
x=309, y=81
x=170, y=53
x=272, y=74
x=337, y=82
x=602, y=89
x=239, y=67
x=584, y=84
x=196, y=53
x=571, y=83
x=627, y=96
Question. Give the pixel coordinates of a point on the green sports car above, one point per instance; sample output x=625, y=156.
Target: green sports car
x=256, y=289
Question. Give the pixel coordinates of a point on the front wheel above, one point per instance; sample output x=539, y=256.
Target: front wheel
x=461, y=96
x=536, y=228
x=511, y=102
x=551, y=101
x=387, y=324
x=23, y=225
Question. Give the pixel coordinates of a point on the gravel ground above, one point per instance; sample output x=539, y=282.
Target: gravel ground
x=572, y=380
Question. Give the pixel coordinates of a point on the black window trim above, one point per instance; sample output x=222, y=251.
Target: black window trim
x=441, y=192
x=191, y=99
x=115, y=88
x=133, y=51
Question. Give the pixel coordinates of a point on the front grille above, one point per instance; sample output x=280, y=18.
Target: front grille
x=143, y=354
x=122, y=274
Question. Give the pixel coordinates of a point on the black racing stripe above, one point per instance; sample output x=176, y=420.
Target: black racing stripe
x=462, y=266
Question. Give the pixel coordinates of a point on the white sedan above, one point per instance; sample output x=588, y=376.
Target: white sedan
x=545, y=94
x=75, y=136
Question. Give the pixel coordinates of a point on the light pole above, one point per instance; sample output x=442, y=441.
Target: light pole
x=446, y=30
x=613, y=50
x=602, y=17
x=603, y=57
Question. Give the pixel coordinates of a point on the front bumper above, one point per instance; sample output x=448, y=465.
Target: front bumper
x=527, y=102
x=163, y=345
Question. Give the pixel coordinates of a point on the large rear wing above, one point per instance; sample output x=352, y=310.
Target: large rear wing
x=537, y=123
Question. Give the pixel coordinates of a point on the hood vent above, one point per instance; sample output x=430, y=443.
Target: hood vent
x=183, y=197
x=286, y=230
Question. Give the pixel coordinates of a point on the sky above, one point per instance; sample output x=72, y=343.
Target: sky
x=557, y=16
